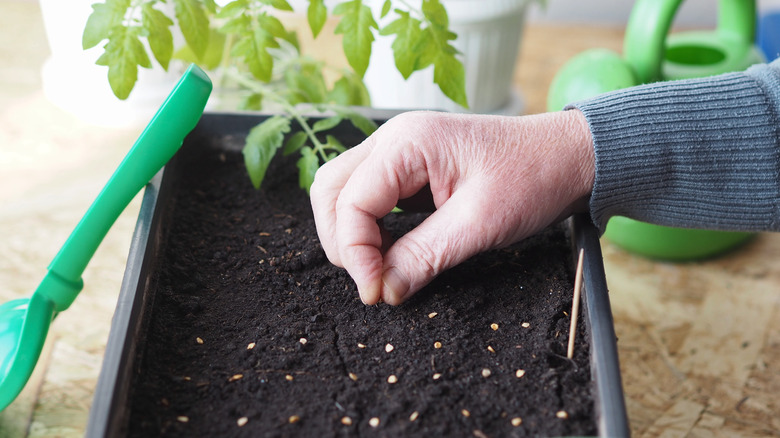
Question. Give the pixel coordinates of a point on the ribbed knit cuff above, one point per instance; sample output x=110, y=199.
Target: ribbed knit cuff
x=700, y=153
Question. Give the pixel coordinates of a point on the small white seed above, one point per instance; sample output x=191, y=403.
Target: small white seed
x=361, y=345
x=517, y=421
x=199, y=340
x=526, y=324
x=490, y=349
x=392, y=379
x=485, y=372
x=465, y=413
x=242, y=421
x=373, y=422
x=494, y=326
x=414, y=416
x=437, y=344
x=389, y=348
x=432, y=315
x=250, y=346
x=235, y=377
x=294, y=419
x=562, y=414
x=289, y=377
x=303, y=341
x=182, y=419
x=346, y=421
x=353, y=376
x=436, y=376
x=519, y=373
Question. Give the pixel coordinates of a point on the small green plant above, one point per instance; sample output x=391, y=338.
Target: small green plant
x=246, y=44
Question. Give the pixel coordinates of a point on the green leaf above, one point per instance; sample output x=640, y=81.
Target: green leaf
x=253, y=101
x=349, y=90
x=194, y=24
x=325, y=124
x=253, y=45
x=213, y=56
x=359, y=121
x=159, y=36
x=306, y=83
x=233, y=9
x=355, y=26
x=104, y=17
x=295, y=142
x=386, y=8
x=435, y=13
x=261, y=145
x=408, y=44
x=449, y=74
x=281, y=5
x=123, y=54
x=308, y=165
x=334, y=143
x=317, y=14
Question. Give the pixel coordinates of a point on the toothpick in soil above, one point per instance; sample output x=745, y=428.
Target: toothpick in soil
x=575, y=306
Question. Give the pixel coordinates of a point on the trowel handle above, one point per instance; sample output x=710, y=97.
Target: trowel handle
x=650, y=21
x=159, y=141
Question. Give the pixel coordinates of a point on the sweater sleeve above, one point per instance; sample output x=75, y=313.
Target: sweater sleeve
x=697, y=153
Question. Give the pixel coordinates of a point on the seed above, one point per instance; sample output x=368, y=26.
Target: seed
x=465, y=413
x=199, y=340
x=562, y=414
x=186, y=378
x=294, y=419
x=519, y=373
x=182, y=419
x=346, y=421
x=353, y=376
x=235, y=377
x=436, y=376
x=526, y=324
x=485, y=372
x=242, y=421
x=250, y=346
x=389, y=348
x=414, y=416
x=392, y=379
x=517, y=421
x=437, y=344
x=432, y=314
x=289, y=377
x=494, y=326
x=490, y=349
x=373, y=422
x=361, y=345
x=303, y=341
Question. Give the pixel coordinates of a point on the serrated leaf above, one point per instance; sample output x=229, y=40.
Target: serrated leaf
x=308, y=165
x=294, y=142
x=233, y=9
x=159, y=36
x=213, y=56
x=450, y=76
x=349, y=90
x=325, y=124
x=317, y=14
x=261, y=145
x=194, y=24
x=123, y=54
x=253, y=49
x=306, y=83
x=104, y=17
x=359, y=121
x=435, y=13
x=254, y=101
x=356, y=27
x=408, y=43
x=386, y=8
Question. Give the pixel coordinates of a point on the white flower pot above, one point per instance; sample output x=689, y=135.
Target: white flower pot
x=489, y=35
x=73, y=82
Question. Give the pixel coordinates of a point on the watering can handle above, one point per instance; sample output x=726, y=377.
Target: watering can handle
x=649, y=23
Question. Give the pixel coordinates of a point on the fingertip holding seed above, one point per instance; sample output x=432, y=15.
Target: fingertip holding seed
x=242, y=421
x=374, y=422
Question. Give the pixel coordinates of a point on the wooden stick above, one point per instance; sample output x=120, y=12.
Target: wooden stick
x=575, y=306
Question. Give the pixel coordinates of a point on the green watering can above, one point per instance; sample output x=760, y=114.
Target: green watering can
x=650, y=56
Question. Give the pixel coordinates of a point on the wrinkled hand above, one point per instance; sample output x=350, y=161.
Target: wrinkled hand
x=494, y=180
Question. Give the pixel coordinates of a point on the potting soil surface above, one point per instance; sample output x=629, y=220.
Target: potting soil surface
x=253, y=332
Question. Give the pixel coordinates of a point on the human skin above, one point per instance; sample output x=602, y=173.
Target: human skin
x=493, y=180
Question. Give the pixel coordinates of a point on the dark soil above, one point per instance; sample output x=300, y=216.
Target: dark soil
x=241, y=267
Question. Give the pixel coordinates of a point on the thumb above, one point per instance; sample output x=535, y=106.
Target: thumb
x=449, y=236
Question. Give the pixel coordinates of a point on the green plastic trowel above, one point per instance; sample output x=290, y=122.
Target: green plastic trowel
x=24, y=322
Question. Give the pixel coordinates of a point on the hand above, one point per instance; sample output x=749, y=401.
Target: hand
x=494, y=180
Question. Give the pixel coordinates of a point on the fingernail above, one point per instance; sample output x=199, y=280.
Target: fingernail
x=397, y=284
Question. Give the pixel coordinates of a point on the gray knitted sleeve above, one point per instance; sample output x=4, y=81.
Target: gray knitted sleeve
x=700, y=153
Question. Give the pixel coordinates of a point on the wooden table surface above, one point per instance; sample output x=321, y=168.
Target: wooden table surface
x=699, y=342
